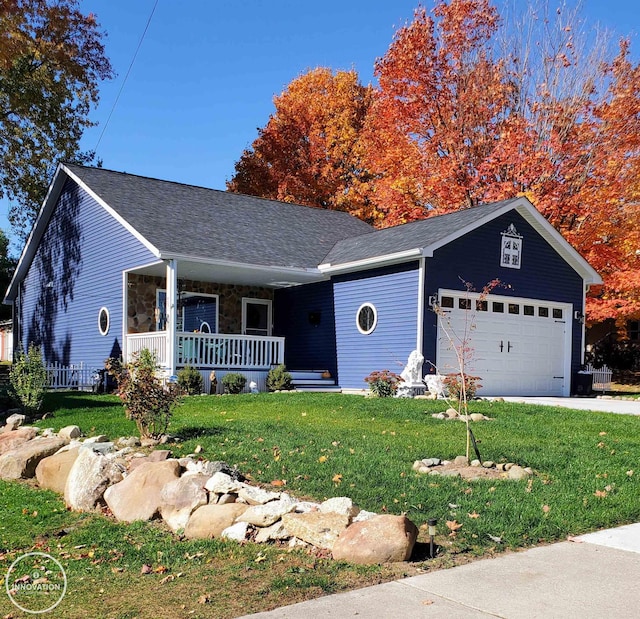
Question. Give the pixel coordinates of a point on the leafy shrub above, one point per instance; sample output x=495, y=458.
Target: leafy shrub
x=383, y=384
x=28, y=379
x=190, y=381
x=234, y=382
x=453, y=383
x=146, y=400
x=279, y=379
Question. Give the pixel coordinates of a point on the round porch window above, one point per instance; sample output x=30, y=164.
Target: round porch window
x=103, y=321
x=366, y=318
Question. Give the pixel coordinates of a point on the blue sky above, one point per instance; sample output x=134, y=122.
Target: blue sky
x=207, y=71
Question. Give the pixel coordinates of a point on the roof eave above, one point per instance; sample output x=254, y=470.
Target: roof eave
x=371, y=263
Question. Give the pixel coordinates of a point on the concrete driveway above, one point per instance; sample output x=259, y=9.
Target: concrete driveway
x=600, y=404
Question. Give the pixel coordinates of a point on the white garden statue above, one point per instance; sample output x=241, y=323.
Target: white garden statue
x=435, y=385
x=411, y=376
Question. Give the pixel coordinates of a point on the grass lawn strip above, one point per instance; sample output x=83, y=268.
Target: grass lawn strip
x=324, y=445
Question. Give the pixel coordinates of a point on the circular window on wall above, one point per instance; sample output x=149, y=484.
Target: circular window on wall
x=366, y=318
x=103, y=321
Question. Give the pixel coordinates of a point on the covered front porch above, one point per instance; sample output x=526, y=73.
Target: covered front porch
x=208, y=316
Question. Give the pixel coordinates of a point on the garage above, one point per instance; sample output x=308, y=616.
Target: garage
x=517, y=346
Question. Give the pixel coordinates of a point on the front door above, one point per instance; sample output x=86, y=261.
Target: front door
x=256, y=316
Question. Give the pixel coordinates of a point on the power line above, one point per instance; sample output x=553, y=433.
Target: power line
x=124, y=81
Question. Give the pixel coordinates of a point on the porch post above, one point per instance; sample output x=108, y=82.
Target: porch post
x=125, y=315
x=420, y=325
x=171, y=310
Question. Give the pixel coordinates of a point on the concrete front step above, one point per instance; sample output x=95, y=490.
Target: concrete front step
x=312, y=380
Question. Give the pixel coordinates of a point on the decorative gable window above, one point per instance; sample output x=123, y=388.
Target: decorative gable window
x=511, y=253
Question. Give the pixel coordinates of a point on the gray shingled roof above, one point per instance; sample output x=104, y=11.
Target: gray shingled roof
x=218, y=225
x=414, y=235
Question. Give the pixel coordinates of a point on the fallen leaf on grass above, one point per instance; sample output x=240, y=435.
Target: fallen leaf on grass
x=496, y=539
x=279, y=482
x=546, y=509
x=600, y=493
x=602, y=434
x=322, y=459
x=474, y=515
x=337, y=479
x=260, y=558
x=146, y=569
x=453, y=526
x=630, y=473
x=204, y=599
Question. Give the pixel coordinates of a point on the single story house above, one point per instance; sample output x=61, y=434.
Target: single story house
x=221, y=281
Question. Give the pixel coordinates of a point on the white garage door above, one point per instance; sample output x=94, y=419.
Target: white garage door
x=516, y=346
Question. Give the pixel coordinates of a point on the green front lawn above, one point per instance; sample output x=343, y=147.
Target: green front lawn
x=324, y=445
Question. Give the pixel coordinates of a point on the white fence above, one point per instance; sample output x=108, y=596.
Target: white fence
x=70, y=376
x=601, y=377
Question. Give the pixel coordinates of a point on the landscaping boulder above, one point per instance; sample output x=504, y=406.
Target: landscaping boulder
x=221, y=483
x=237, y=531
x=15, y=438
x=210, y=521
x=340, y=505
x=13, y=422
x=21, y=462
x=254, y=495
x=381, y=539
x=69, y=432
x=52, y=472
x=137, y=496
x=265, y=515
x=517, y=472
x=91, y=474
x=276, y=531
x=179, y=498
x=316, y=528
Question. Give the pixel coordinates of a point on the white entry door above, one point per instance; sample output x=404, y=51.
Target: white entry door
x=515, y=346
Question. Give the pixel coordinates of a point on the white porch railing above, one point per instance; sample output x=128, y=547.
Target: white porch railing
x=156, y=342
x=212, y=350
x=601, y=377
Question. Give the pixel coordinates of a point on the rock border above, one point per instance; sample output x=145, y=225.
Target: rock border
x=196, y=498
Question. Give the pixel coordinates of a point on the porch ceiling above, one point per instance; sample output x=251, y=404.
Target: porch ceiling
x=230, y=273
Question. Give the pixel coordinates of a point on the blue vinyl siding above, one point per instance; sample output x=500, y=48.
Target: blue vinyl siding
x=304, y=316
x=394, y=293
x=77, y=270
x=475, y=258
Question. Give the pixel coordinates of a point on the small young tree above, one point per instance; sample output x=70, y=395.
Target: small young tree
x=28, y=378
x=462, y=386
x=146, y=400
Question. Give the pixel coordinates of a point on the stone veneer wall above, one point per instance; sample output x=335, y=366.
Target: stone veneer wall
x=142, y=301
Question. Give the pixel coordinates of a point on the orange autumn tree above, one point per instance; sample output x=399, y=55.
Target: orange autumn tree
x=443, y=132
x=310, y=150
x=606, y=227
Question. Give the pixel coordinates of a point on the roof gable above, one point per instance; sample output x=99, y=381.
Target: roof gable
x=421, y=238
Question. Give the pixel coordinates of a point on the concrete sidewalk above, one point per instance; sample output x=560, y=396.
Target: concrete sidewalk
x=594, y=576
